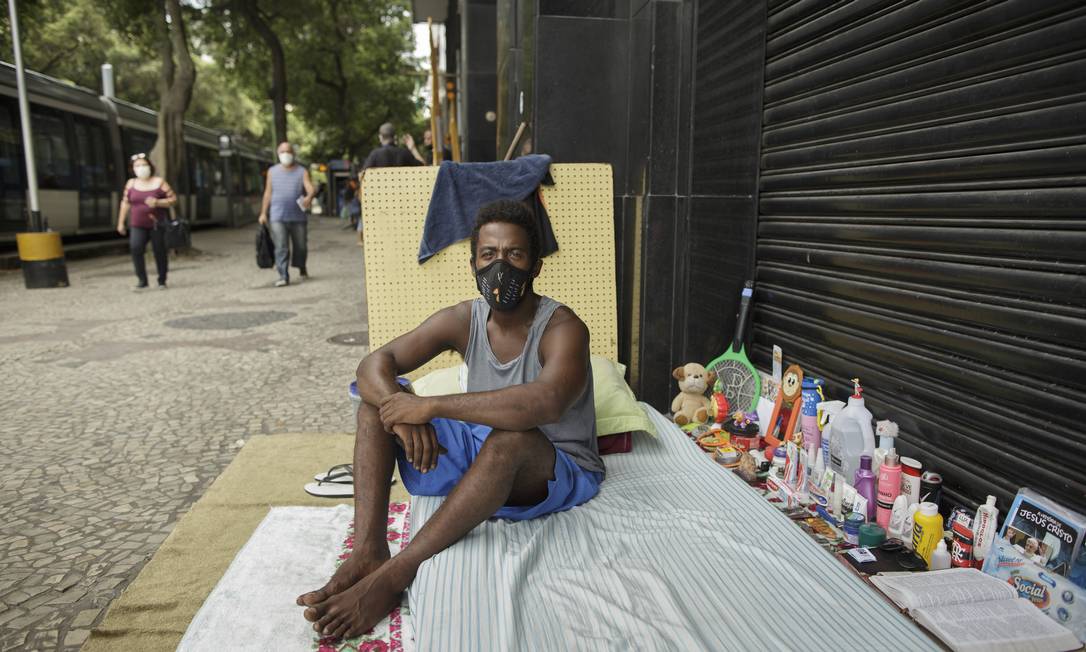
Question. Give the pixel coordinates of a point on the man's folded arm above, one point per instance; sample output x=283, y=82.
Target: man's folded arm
x=443, y=331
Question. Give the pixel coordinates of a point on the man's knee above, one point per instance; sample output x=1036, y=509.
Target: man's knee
x=511, y=446
x=369, y=420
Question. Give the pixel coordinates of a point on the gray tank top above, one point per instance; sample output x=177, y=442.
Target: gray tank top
x=287, y=187
x=575, y=433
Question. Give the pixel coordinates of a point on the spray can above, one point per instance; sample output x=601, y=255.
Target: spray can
x=812, y=396
x=931, y=487
x=927, y=530
x=889, y=487
x=910, y=479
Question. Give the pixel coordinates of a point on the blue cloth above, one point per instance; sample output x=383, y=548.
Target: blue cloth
x=462, y=189
x=287, y=187
x=571, y=486
x=284, y=235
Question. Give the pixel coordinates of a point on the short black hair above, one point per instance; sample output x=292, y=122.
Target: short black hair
x=508, y=211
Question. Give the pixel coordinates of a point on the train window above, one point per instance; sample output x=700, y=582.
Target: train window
x=54, y=158
x=94, y=163
x=11, y=148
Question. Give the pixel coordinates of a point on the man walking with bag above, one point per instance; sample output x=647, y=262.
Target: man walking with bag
x=288, y=193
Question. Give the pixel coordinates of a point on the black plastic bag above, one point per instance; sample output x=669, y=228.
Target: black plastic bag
x=265, y=249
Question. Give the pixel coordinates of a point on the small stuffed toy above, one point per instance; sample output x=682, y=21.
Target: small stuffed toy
x=691, y=405
x=887, y=432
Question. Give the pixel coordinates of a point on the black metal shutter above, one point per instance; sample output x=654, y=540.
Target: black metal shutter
x=922, y=224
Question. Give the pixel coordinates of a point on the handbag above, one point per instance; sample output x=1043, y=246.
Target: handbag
x=265, y=250
x=178, y=234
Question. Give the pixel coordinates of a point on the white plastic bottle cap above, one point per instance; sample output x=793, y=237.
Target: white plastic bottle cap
x=991, y=500
x=929, y=509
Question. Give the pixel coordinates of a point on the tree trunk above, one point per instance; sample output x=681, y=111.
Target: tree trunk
x=175, y=93
x=278, y=91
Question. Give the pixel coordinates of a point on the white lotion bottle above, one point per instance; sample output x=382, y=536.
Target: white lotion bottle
x=984, y=529
x=940, y=557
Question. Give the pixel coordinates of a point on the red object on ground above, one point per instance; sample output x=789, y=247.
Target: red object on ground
x=618, y=443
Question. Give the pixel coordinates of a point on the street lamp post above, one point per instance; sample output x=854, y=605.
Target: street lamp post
x=36, y=223
x=41, y=254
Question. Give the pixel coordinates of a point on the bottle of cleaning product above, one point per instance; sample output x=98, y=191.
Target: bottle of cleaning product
x=812, y=396
x=940, y=557
x=927, y=530
x=864, y=482
x=984, y=528
x=889, y=487
x=826, y=411
x=852, y=435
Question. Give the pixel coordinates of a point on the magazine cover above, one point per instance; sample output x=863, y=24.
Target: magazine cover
x=1045, y=533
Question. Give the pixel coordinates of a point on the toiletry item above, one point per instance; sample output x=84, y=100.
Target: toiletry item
x=896, y=527
x=849, y=499
x=909, y=523
x=838, y=494
x=889, y=487
x=852, y=435
x=876, y=466
x=801, y=476
x=819, y=466
x=859, y=505
x=779, y=460
x=791, y=464
x=811, y=397
x=865, y=484
x=984, y=528
x=887, y=434
x=827, y=410
x=852, y=528
x=961, y=547
x=931, y=487
x=927, y=530
x=871, y=535
x=910, y=479
x=940, y=557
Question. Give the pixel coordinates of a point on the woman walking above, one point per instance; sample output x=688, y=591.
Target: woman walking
x=149, y=198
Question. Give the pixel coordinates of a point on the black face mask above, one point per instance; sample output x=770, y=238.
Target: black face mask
x=503, y=285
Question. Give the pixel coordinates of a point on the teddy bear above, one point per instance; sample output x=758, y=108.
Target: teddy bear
x=691, y=405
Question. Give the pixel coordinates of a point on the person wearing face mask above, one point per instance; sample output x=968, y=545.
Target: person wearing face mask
x=288, y=193
x=148, y=198
x=519, y=444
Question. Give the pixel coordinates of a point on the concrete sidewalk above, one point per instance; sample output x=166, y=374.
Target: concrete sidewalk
x=118, y=408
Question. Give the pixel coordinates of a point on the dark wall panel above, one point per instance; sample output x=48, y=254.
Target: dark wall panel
x=920, y=225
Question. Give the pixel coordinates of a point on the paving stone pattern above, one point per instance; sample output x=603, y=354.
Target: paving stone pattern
x=112, y=423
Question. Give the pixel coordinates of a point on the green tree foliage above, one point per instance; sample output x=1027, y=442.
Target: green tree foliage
x=348, y=63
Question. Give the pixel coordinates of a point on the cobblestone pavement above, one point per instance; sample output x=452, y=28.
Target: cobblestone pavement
x=118, y=408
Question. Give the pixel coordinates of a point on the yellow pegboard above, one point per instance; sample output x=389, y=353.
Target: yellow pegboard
x=401, y=293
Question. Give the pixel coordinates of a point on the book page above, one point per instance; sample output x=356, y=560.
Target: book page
x=943, y=587
x=993, y=626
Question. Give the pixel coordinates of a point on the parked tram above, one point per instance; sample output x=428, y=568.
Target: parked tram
x=82, y=144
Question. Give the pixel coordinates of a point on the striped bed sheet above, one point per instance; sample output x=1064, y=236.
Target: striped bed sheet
x=675, y=553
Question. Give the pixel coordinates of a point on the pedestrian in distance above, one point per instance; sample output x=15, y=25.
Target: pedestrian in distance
x=148, y=198
x=288, y=194
x=387, y=155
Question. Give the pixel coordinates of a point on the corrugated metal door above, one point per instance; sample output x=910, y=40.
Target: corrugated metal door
x=922, y=224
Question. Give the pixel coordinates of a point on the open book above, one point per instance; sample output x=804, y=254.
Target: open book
x=971, y=611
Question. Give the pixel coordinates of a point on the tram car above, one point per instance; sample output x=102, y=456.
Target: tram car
x=82, y=145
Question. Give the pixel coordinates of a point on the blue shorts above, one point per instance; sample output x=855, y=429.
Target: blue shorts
x=571, y=486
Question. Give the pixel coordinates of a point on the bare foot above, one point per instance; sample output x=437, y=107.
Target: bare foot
x=358, y=609
x=353, y=569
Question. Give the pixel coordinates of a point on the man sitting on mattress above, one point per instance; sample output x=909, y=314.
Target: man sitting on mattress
x=521, y=443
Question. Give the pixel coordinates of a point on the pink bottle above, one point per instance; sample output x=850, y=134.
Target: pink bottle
x=889, y=486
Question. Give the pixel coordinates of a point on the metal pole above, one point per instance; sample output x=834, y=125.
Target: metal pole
x=24, y=116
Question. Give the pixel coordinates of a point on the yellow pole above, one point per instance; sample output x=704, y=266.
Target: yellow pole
x=454, y=130
x=435, y=96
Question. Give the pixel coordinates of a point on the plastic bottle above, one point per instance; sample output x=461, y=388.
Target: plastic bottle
x=889, y=487
x=864, y=481
x=940, y=557
x=898, y=514
x=852, y=435
x=779, y=460
x=812, y=396
x=908, y=524
x=984, y=528
x=826, y=411
x=927, y=530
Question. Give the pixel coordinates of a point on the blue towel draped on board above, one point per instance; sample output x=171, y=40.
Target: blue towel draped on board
x=462, y=189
